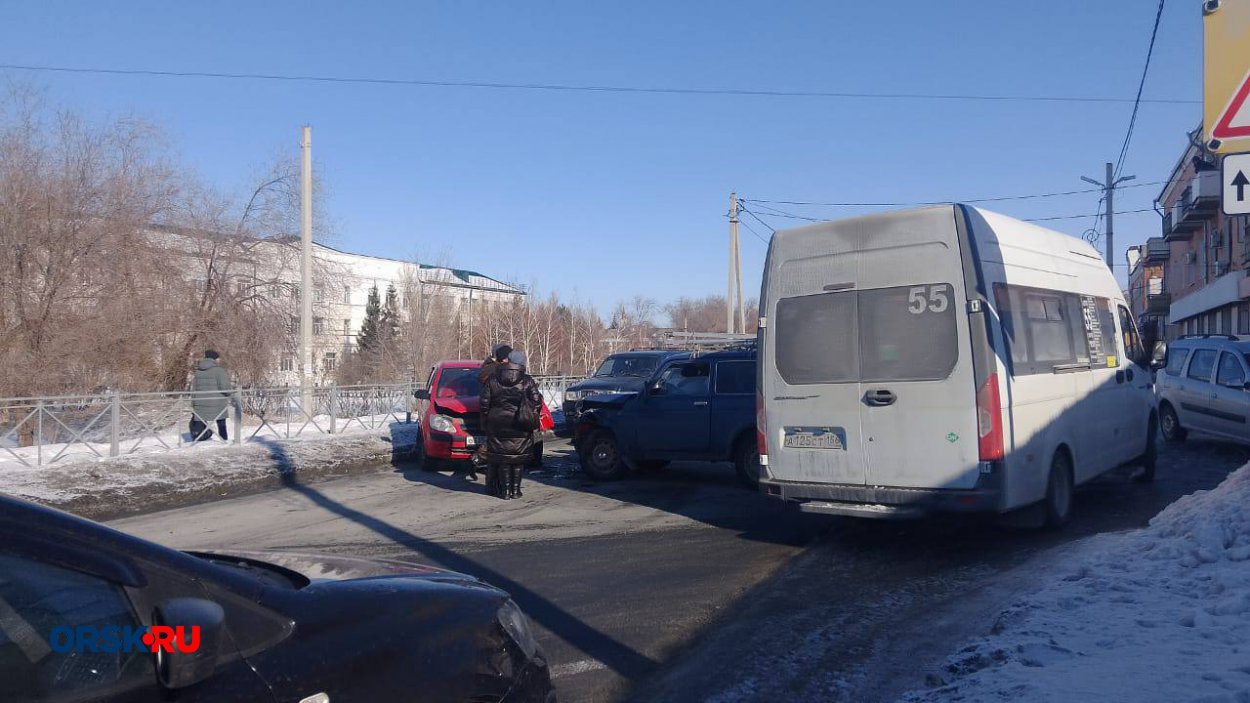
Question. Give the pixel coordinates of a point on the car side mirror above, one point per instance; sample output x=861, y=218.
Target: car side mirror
x=1246, y=386
x=422, y=394
x=656, y=388
x=197, y=626
x=1159, y=355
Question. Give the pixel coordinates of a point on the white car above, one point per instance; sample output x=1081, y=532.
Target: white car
x=1204, y=385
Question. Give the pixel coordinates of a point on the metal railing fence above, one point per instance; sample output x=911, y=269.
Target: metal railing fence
x=41, y=431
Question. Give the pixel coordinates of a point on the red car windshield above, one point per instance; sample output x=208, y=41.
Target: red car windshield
x=458, y=383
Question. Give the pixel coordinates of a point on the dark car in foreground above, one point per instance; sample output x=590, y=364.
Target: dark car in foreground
x=76, y=598
x=693, y=408
x=626, y=372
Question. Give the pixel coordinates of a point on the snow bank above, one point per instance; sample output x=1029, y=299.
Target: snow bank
x=1159, y=614
x=202, y=471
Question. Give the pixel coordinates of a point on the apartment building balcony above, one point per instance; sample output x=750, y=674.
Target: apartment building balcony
x=1157, y=250
x=1158, y=303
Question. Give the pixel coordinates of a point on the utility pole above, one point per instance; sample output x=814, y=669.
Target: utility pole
x=306, y=294
x=735, y=271
x=1108, y=189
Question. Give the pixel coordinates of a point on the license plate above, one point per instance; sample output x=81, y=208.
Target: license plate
x=815, y=438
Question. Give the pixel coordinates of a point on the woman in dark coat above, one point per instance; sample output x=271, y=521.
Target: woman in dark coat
x=511, y=405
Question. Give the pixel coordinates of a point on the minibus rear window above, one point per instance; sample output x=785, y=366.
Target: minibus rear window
x=906, y=333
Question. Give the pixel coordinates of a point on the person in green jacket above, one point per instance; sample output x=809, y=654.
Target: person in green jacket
x=211, y=394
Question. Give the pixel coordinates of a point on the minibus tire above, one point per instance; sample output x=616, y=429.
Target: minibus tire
x=1150, y=458
x=1170, y=424
x=1059, y=491
x=601, y=458
x=747, y=463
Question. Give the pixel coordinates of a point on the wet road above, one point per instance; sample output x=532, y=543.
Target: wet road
x=680, y=585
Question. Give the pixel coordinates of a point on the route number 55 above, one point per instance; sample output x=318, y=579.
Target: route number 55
x=931, y=298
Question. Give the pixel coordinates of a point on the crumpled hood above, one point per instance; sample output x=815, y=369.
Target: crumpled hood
x=206, y=364
x=460, y=405
x=607, y=400
x=610, y=384
x=327, y=567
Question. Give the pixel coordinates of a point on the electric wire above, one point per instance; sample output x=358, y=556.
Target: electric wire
x=588, y=88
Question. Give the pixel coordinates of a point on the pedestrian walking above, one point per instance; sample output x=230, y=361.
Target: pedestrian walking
x=211, y=394
x=498, y=355
x=511, y=404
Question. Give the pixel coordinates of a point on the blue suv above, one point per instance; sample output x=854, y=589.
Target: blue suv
x=699, y=408
x=626, y=372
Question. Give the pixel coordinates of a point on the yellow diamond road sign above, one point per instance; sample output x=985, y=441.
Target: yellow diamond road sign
x=1226, y=75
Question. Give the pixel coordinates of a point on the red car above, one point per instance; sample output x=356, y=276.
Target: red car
x=451, y=426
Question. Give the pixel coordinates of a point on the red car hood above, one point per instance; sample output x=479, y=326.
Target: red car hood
x=472, y=404
x=460, y=405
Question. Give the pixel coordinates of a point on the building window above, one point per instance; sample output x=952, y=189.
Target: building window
x=347, y=328
x=328, y=363
x=319, y=325
x=287, y=364
x=292, y=325
x=1243, y=318
x=347, y=295
x=1226, y=320
x=319, y=294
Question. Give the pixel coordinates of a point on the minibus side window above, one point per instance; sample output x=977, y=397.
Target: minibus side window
x=1046, y=330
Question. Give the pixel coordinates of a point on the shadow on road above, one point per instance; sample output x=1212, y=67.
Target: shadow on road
x=625, y=661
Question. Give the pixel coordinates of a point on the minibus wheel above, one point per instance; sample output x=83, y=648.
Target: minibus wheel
x=1170, y=424
x=1059, y=490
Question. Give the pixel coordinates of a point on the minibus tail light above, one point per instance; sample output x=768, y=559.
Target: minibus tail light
x=989, y=420
x=761, y=427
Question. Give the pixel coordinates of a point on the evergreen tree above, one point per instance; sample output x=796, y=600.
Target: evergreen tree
x=389, y=323
x=371, y=330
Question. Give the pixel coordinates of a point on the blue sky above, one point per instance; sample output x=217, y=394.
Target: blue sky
x=604, y=196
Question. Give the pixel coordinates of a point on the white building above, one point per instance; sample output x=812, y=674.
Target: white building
x=339, y=302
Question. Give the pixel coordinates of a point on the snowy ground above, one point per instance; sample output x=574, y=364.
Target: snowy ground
x=1158, y=614
x=202, y=471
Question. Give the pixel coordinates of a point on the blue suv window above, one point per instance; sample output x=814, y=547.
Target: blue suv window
x=735, y=377
x=685, y=379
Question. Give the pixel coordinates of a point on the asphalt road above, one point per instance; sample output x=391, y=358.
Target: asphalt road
x=680, y=585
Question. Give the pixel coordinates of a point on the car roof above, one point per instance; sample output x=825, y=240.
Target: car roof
x=1213, y=342
x=729, y=355
x=459, y=364
x=648, y=352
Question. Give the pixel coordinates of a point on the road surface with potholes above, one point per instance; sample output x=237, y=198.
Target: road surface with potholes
x=680, y=584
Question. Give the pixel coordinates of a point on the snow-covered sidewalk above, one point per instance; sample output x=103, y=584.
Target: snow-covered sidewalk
x=1158, y=614
x=105, y=488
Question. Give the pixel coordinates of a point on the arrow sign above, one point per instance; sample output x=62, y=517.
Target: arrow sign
x=1234, y=182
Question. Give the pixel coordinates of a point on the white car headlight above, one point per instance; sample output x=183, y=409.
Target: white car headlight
x=517, y=626
x=442, y=423
x=572, y=396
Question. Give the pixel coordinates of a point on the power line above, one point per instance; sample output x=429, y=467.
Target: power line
x=750, y=228
x=589, y=88
x=1132, y=122
x=944, y=202
x=790, y=215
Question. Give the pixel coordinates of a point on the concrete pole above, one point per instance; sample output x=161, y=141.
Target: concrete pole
x=737, y=244
x=306, y=282
x=729, y=293
x=1110, y=217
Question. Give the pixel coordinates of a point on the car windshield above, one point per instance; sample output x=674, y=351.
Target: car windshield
x=627, y=366
x=459, y=383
